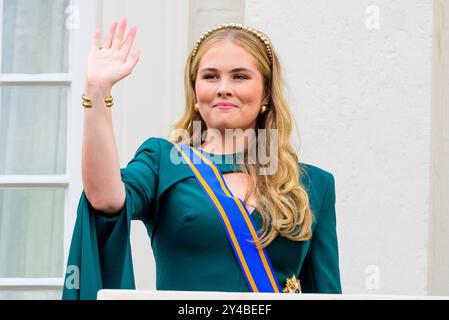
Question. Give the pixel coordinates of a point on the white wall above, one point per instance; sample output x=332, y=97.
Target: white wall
x=360, y=96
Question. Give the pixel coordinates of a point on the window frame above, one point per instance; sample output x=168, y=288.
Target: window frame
x=80, y=40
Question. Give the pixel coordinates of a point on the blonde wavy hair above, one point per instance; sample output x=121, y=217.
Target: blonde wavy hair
x=282, y=200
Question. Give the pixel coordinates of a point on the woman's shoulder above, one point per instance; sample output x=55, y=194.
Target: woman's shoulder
x=157, y=142
x=317, y=182
x=314, y=178
x=314, y=173
x=157, y=146
x=308, y=172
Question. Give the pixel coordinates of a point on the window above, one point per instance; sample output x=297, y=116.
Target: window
x=39, y=180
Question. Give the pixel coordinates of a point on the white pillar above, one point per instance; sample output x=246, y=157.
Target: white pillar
x=151, y=99
x=205, y=14
x=439, y=179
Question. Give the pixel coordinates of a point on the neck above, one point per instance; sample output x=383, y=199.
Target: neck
x=234, y=143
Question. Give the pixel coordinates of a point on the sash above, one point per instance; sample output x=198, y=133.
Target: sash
x=237, y=221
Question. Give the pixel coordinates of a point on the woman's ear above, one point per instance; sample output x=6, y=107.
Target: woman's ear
x=266, y=96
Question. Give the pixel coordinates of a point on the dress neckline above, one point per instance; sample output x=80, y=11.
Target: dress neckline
x=229, y=167
x=221, y=154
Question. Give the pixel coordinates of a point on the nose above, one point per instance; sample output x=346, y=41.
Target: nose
x=224, y=89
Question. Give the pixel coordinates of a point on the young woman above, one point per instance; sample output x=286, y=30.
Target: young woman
x=219, y=215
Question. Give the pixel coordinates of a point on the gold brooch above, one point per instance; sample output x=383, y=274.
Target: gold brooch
x=293, y=285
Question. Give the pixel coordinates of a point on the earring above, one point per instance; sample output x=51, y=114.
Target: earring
x=264, y=108
x=196, y=107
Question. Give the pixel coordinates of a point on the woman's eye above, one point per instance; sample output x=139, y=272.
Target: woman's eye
x=239, y=77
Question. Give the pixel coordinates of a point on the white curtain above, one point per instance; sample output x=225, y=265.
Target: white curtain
x=33, y=132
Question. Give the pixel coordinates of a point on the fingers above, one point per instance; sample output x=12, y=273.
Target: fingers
x=108, y=41
x=129, y=42
x=118, y=40
x=95, y=39
x=132, y=60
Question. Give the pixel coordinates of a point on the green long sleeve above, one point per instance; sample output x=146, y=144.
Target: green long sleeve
x=320, y=272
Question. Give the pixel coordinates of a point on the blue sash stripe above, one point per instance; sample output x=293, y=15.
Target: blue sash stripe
x=239, y=226
x=244, y=224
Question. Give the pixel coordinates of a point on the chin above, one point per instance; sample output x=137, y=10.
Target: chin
x=221, y=125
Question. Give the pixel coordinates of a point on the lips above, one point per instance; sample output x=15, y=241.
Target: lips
x=224, y=106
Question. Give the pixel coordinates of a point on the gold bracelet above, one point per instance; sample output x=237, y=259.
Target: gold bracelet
x=109, y=101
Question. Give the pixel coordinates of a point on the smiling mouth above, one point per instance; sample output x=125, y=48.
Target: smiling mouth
x=225, y=107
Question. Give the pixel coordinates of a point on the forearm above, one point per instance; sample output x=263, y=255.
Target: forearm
x=100, y=163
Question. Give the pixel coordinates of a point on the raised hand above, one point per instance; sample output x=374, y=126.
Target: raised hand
x=110, y=63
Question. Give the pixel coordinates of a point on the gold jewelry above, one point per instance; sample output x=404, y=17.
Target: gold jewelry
x=264, y=108
x=197, y=107
x=86, y=101
x=293, y=285
x=239, y=26
x=109, y=101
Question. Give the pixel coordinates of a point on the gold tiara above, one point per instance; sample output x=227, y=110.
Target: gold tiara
x=234, y=26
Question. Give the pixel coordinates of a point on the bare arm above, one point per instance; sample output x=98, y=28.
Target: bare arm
x=100, y=164
x=102, y=181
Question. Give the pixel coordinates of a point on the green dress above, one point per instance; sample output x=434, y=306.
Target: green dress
x=190, y=246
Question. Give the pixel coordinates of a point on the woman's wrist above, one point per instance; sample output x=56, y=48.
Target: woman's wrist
x=97, y=95
x=92, y=90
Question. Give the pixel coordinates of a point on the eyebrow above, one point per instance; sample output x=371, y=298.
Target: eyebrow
x=231, y=71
